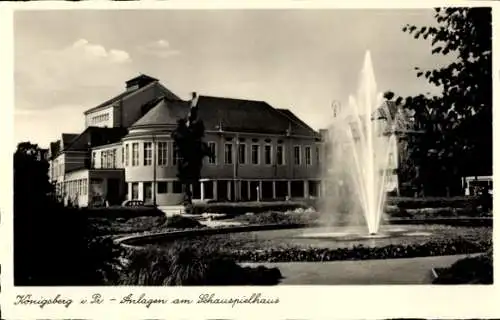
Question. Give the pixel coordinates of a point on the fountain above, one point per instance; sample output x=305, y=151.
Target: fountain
x=361, y=148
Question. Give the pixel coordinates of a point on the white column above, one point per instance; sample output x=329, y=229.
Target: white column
x=141, y=191
x=289, y=189
x=274, y=189
x=129, y=191
x=306, y=189
x=214, y=187
x=228, y=189
x=202, y=190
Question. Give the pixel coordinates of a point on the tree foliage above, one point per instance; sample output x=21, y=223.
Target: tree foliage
x=191, y=150
x=53, y=245
x=456, y=126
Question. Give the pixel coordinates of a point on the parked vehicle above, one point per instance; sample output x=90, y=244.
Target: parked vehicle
x=133, y=203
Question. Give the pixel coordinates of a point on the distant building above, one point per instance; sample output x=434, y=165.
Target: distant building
x=126, y=151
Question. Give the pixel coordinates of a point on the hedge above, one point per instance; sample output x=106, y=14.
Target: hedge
x=434, y=202
x=471, y=270
x=431, y=248
x=122, y=212
x=240, y=208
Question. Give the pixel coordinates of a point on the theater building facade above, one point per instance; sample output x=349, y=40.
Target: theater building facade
x=126, y=151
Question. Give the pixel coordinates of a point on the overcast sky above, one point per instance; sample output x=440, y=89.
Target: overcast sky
x=69, y=61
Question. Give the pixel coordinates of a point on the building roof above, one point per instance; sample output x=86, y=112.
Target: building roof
x=96, y=136
x=141, y=78
x=67, y=138
x=163, y=112
x=233, y=114
x=144, y=81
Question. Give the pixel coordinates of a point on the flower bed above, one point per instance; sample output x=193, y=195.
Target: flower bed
x=115, y=225
x=240, y=208
x=431, y=248
x=275, y=217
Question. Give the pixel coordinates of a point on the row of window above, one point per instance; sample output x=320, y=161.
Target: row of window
x=278, y=158
x=130, y=154
x=161, y=188
x=72, y=187
x=99, y=118
x=133, y=150
x=108, y=159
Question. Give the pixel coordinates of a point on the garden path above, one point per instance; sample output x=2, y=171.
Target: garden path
x=378, y=272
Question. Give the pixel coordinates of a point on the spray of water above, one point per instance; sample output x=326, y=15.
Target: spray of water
x=361, y=152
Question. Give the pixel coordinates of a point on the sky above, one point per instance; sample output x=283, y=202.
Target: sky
x=68, y=61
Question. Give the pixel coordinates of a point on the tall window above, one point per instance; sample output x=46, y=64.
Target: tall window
x=228, y=153
x=242, y=153
x=104, y=159
x=109, y=161
x=127, y=155
x=148, y=153
x=213, y=151
x=280, y=155
x=135, y=154
x=267, y=154
x=255, y=154
x=174, y=154
x=317, y=156
x=308, y=156
x=162, y=153
x=113, y=162
x=296, y=155
x=123, y=156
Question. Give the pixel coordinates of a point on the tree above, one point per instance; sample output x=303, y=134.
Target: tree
x=53, y=245
x=191, y=150
x=457, y=124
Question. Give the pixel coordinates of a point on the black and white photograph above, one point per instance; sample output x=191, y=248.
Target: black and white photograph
x=253, y=147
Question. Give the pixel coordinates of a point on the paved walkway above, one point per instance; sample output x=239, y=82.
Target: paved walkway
x=379, y=272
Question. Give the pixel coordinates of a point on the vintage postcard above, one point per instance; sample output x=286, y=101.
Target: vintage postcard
x=211, y=160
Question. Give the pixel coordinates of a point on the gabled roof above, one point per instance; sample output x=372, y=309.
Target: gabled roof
x=164, y=112
x=233, y=114
x=141, y=78
x=96, y=136
x=67, y=138
x=124, y=95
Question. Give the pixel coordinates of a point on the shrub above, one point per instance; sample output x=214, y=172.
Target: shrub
x=431, y=248
x=123, y=212
x=182, y=265
x=471, y=270
x=182, y=222
x=113, y=225
x=434, y=202
x=241, y=208
x=274, y=217
x=54, y=245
